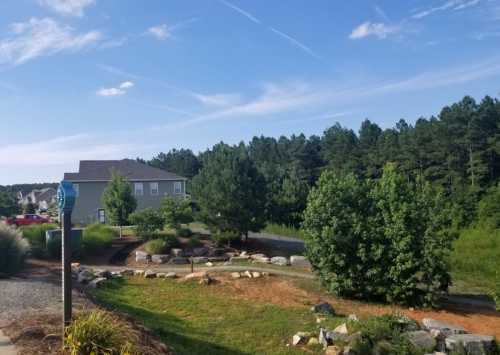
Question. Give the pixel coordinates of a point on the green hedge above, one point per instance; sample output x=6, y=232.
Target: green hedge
x=97, y=238
x=35, y=235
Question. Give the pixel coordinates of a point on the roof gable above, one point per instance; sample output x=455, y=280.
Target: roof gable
x=101, y=170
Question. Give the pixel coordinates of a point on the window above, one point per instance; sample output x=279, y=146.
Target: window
x=77, y=189
x=138, y=188
x=153, y=188
x=177, y=187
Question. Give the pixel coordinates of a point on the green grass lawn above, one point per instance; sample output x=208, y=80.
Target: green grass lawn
x=287, y=231
x=193, y=319
x=475, y=260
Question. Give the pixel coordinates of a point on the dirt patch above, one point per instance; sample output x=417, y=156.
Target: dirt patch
x=287, y=293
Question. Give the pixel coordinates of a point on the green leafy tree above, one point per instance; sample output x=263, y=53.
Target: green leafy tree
x=118, y=200
x=175, y=211
x=8, y=204
x=147, y=221
x=230, y=191
x=489, y=208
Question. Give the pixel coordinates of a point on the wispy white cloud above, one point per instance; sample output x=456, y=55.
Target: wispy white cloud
x=160, y=32
x=67, y=7
x=42, y=37
x=219, y=99
x=241, y=11
x=379, y=30
x=381, y=13
x=295, y=42
x=448, y=5
x=115, y=91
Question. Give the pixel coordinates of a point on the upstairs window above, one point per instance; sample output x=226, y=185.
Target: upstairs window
x=153, y=188
x=138, y=188
x=177, y=187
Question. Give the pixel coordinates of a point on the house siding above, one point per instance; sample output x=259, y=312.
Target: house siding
x=90, y=193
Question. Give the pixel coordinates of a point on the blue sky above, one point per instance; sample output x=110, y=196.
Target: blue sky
x=109, y=79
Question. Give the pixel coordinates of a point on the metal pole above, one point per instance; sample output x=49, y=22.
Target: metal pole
x=66, y=266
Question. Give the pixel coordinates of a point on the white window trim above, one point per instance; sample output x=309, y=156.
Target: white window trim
x=157, y=189
x=136, y=190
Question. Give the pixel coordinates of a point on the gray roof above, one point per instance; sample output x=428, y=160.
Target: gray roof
x=100, y=170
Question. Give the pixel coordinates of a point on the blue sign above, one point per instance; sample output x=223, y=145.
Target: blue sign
x=66, y=196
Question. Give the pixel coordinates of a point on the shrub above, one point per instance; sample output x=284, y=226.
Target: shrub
x=222, y=238
x=156, y=246
x=194, y=242
x=489, y=208
x=96, y=333
x=176, y=212
x=383, y=240
x=184, y=232
x=146, y=222
x=97, y=237
x=35, y=234
x=13, y=249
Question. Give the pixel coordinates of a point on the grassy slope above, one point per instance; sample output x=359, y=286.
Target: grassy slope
x=195, y=320
x=475, y=259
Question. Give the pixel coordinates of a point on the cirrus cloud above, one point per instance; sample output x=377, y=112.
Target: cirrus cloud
x=67, y=7
x=368, y=28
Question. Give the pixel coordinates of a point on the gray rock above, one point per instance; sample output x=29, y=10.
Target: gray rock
x=218, y=259
x=325, y=308
x=170, y=275
x=473, y=344
x=116, y=274
x=300, y=261
x=200, y=251
x=176, y=252
x=342, y=329
x=279, y=260
x=142, y=257
x=149, y=274
x=446, y=328
x=160, y=258
x=421, y=340
x=256, y=274
x=263, y=260
x=103, y=273
x=161, y=275
x=85, y=276
x=179, y=260
x=200, y=260
x=98, y=282
x=353, y=318
x=258, y=256
x=235, y=275
x=327, y=338
x=138, y=272
x=299, y=339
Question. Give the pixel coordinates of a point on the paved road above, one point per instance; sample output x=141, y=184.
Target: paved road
x=279, y=242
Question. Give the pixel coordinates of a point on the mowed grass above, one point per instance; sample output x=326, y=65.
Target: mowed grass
x=286, y=231
x=194, y=319
x=475, y=260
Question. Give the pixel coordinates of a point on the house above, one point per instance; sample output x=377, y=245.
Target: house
x=41, y=198
x=149, y=186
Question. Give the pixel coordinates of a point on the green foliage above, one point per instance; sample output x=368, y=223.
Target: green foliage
x=8, y=204
x=385, y=240
x=118, y=200
x=489, y=208
x=225, y=237
x=176, y=211
x=147, y=221
x=184, y=232
x=230, y=191
x=194, y=242
x=36, y=236
x=97, y=237
x=29, y=208
x=156, y=246
x=287, y=231
x=13, y=249
x=182, y=162
x=96, y=333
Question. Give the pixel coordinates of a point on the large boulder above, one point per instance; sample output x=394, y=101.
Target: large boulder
x=160, y=258
x=103, y=273
x=327, y=338
x=279, y=260
x=421, y=340
x=300, y=261
x=473, y=344
x=325, y=308
x=200, y=260
x=98, y=282
x=170, y=275
x=149, y=274
x=300, y=338
x=85, y=276
x=342, y=329
x=445, y=328
x=176, y=252
x=142, y=257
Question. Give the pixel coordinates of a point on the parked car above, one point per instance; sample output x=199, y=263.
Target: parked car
x=26, y=220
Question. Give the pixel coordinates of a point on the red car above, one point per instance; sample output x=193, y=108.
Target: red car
x=26, y=220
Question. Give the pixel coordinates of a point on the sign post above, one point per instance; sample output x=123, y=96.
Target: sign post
x=66, y=199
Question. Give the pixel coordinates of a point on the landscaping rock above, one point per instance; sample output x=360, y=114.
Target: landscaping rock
x=209, y=264
x=195, y=275
x=279, y=260
x=103, y=273
x=421, y=339
x=142, y=257
x=170, y=275
x=179, y=260
x=333, y=350
x=161, y=275
x=138, y=272
x=325, y=308
x=97, y=282
x=235, y=275
x=298, y=260
x=353, y=318
x=116, y=274
x=218, y=259
x=149, y=274
x=256, y=274
x=313, y=342
x=85, y=276
x=263, y=260
x=200, y=260
x=160, y=258
x=176, y=252
x=327, y=338
x=244, y=253
x=200, y=251
x=446, y=328
x=248, y=274
x=342, y=329
x=127, y=272
x=473, y=344
x=258, y=256
x=300, y=338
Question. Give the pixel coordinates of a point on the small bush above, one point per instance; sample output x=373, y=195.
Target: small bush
x=96, y=333
x=222, y=238
x=176, y=211
x=13, y=249
x=35, y=235
x=156, y=246
x=97, y=237
x=184, y=232
x=147, y=222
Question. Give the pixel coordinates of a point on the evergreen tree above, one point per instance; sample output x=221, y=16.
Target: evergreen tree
x=118, y=200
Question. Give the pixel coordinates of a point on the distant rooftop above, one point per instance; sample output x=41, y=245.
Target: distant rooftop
x=100, y=170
